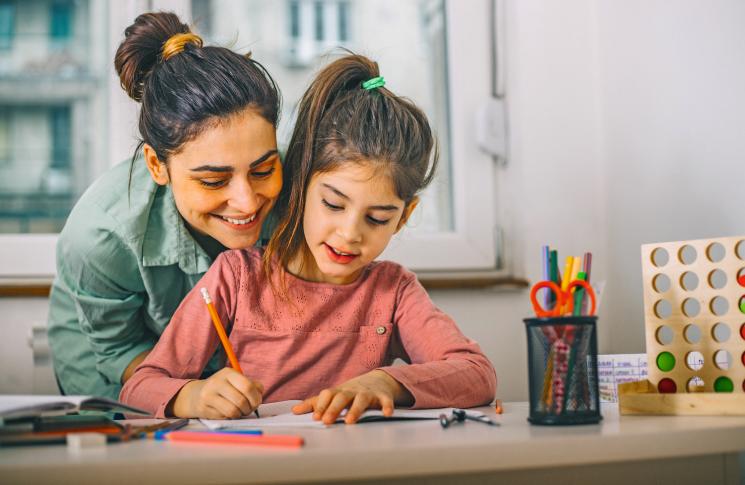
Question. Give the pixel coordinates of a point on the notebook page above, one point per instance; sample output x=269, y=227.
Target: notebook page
x=280, y=414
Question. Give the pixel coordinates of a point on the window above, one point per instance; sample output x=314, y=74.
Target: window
x=436, y=52
x=60, y=21
x=53, y=126
x=7, y=19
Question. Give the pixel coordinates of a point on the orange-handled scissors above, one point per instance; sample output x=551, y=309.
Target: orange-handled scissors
x=563, y=298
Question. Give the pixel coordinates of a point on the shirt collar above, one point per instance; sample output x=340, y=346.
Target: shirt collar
x=167, y=241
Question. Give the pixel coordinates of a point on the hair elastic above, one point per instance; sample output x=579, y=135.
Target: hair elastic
x=176, y=44
x=374, y=83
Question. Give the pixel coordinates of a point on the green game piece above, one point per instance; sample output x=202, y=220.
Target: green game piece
x=665, y=361
x=724, y=384
x=742, y=304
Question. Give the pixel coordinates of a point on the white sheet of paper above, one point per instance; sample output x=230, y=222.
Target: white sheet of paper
x=280, y=414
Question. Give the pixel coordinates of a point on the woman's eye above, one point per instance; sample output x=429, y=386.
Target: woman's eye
x=213, y=183
x=331, y=206
x=378, y=222
x=263, y=173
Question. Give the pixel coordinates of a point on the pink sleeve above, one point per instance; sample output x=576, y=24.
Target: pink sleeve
x=447, y=369
x=187, y=343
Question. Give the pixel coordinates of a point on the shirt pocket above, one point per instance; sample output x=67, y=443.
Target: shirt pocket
x=374, y=340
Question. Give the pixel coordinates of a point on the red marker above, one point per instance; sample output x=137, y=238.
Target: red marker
x=288, y=441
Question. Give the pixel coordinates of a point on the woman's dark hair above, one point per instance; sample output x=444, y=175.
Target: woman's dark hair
x=340, y=122
x=185, y=87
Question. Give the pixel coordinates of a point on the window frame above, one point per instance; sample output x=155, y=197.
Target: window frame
x=471, y=246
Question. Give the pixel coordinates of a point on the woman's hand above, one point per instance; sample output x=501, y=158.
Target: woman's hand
x=376, y=389
x=226, y=394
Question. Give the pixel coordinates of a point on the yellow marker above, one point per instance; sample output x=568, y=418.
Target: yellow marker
x=576, y=268
x=567, y=273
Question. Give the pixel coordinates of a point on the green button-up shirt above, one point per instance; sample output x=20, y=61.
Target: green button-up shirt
x=125, y=260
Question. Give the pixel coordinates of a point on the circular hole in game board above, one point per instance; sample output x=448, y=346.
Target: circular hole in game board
x=695, y=360
x=663, y=309
x=721, y=332
x=742, y=331
x=723, y=359
x=661, y=283
x=687, y=254
x=667, y=386
x=741, y=304
x=717, y=279
x=691, y=307
x=664, y=335
x=660, y=257
x=741, y=277
x=742, y=358
x=723, y=384
x=689, y=281
x=715, y=252
x=740, y=249
x=665, y=361
x=719, y=306
x=692, y=334
x=695, y=384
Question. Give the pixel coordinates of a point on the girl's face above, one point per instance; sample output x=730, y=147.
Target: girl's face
x=351, y=213
x=226, y=180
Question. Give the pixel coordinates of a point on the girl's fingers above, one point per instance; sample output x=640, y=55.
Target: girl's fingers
x=250, y=390
x=360, y=404
x=305, y=406
x=225, y=409
x=235, y=397
x=386, y=404
x=323, y=401
x=340, y=401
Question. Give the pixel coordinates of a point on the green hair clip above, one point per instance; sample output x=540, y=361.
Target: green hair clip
x=374, y=83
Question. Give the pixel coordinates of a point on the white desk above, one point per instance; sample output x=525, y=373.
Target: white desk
x=623, y=450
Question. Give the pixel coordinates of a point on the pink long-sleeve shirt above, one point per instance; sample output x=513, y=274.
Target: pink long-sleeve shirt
x=323, y=335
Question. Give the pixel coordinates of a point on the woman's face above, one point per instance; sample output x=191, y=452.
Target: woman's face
x=226, y=180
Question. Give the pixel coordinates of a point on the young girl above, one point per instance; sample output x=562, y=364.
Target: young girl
x=315, y=317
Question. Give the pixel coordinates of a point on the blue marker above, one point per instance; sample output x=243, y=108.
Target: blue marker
x=161, y=435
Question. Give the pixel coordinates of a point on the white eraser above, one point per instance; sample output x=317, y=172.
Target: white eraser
x=77, y=442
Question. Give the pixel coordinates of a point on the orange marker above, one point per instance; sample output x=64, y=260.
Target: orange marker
x=291, y=441
x=498, y=407
x=221, y=331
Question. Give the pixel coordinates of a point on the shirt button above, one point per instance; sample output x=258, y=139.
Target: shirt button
x=380, y=330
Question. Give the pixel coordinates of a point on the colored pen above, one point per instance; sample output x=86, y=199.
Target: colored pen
x=223, y=336
x=498, y=407
x=291, y=441
x=161, y=435
x=545, y=260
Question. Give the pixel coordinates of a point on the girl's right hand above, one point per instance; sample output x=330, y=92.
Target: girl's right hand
x=226, y=394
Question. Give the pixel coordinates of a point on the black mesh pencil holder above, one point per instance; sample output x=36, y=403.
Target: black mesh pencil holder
x=563, y=370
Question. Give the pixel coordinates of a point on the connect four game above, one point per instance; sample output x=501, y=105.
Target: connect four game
x=694, y=312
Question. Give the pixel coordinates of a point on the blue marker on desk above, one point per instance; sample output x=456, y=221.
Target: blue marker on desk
x=161, y=435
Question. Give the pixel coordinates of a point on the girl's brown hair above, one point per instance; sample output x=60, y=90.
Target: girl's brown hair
x=339, y=122
x=185, y=87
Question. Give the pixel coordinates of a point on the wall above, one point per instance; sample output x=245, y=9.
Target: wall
x=626, y=126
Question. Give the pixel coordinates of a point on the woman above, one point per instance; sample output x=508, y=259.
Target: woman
x=144, y=233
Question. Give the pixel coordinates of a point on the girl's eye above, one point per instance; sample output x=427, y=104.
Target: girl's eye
x=263, y=173
x=331, y=206
x=378, y=222
x=213, y=184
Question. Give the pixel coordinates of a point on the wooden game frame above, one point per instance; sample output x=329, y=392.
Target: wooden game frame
x=645, y=397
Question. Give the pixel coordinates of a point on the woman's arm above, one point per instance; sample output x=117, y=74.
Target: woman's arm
x=98, y=292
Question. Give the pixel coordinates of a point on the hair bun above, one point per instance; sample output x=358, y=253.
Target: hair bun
x=143, y=45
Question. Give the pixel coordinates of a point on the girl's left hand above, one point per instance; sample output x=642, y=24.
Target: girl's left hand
x=376, y=389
